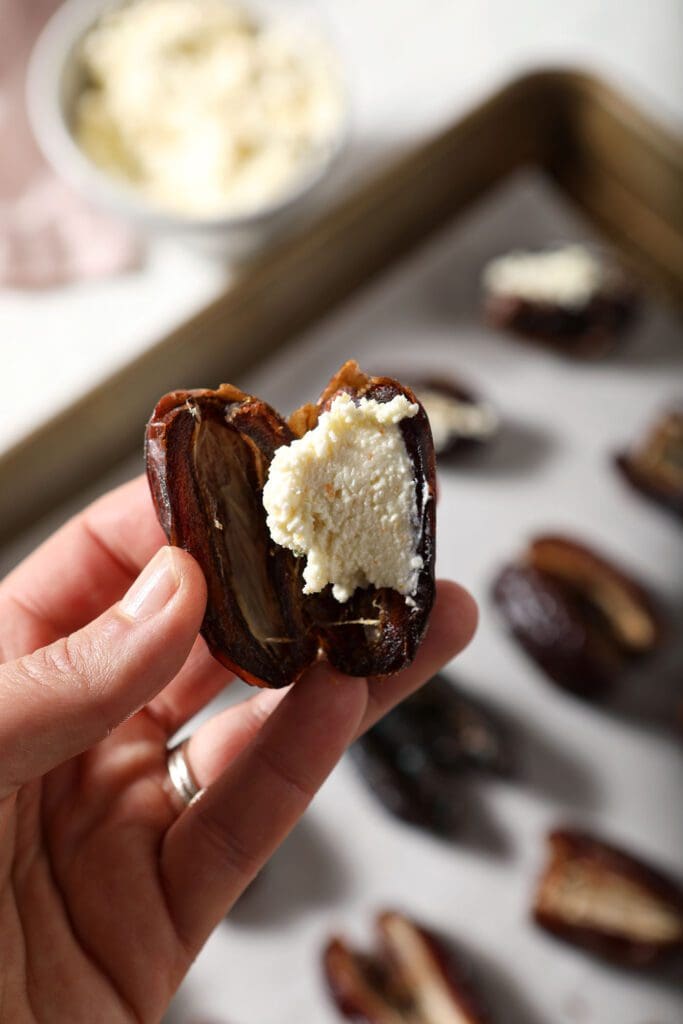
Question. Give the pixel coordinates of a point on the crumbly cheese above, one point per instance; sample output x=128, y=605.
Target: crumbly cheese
x=568, y=276
x=344, y=497
x=451, y=418
x=203, y=109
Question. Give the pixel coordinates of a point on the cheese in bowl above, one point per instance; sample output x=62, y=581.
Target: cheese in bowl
x=204, y=109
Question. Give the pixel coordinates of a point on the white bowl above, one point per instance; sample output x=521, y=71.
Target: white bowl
x=53, y=82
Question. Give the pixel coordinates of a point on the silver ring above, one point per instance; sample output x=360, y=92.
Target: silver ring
x=182, y=779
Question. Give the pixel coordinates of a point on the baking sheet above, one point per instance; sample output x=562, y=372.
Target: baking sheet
x=619, y=773
x=621, y=168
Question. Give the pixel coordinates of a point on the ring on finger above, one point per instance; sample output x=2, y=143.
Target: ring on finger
x=180, y=774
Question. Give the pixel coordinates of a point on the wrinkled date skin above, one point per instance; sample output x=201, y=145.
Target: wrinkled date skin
x=597, y=896
x=655, y=467
x=580, y=617
x=407, y=783
x=587, y=333
x=411, y=757
x=399, y=982
x=458, y=732
x=208, y=455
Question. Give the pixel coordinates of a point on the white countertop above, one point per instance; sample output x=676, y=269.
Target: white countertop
x=413, y=66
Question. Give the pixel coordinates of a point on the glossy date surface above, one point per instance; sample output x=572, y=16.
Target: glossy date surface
x=208, y=454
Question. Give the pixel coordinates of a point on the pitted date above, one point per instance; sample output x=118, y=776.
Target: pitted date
x=655, y=466
x=589, y=333
x=461, y=420
x=579, y=616
x=412, y=978
x=208, y=454
x=411, y=757
x=453, y=730
x=597, y=896
x=585, y=329
x=407, y=784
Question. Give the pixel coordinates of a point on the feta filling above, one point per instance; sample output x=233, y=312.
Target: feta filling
x=569, y=276
x=203, y=109
x=344, y=497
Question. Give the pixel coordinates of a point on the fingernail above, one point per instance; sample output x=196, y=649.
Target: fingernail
x=154, y=587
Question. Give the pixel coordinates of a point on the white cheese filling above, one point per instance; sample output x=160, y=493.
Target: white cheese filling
x=344, y=497
x=203, y=109
x=569, y=276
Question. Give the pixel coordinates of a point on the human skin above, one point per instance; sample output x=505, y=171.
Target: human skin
x=109, y=886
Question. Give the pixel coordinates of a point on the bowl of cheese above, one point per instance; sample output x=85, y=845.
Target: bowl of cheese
x=213, y=120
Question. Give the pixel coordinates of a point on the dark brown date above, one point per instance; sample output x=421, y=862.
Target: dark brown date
x=457, y=731
x=579, y=616
x=407, y=784
x=655, y=466
x=587, y=331
x=410, y=758
x=208, y=455
x=461, y=421
x=599, y=897
x=412, y=978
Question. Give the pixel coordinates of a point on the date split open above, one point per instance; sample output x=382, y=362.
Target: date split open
x=208, y=457
x=599, y=897
x=577, y=614
x=413, y=978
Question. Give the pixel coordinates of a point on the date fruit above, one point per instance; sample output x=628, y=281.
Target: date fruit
x=407, y=784
x=208, y=454
x=410, y=757
x=457, y=731
x=411, y=979
x=461, y=421
x=599, y=897
x=579, y=616
x=569, y=298
x=655, y=466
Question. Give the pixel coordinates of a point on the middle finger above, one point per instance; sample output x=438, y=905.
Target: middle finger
x=200, y=680
x=217, y=742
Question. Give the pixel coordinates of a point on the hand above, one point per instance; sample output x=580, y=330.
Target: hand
x=108, y=888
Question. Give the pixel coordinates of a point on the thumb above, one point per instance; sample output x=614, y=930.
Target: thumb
x=60, y=700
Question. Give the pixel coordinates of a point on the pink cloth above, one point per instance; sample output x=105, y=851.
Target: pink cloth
x=48, y=235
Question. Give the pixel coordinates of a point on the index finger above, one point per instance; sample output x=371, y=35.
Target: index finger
x=82, y=569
